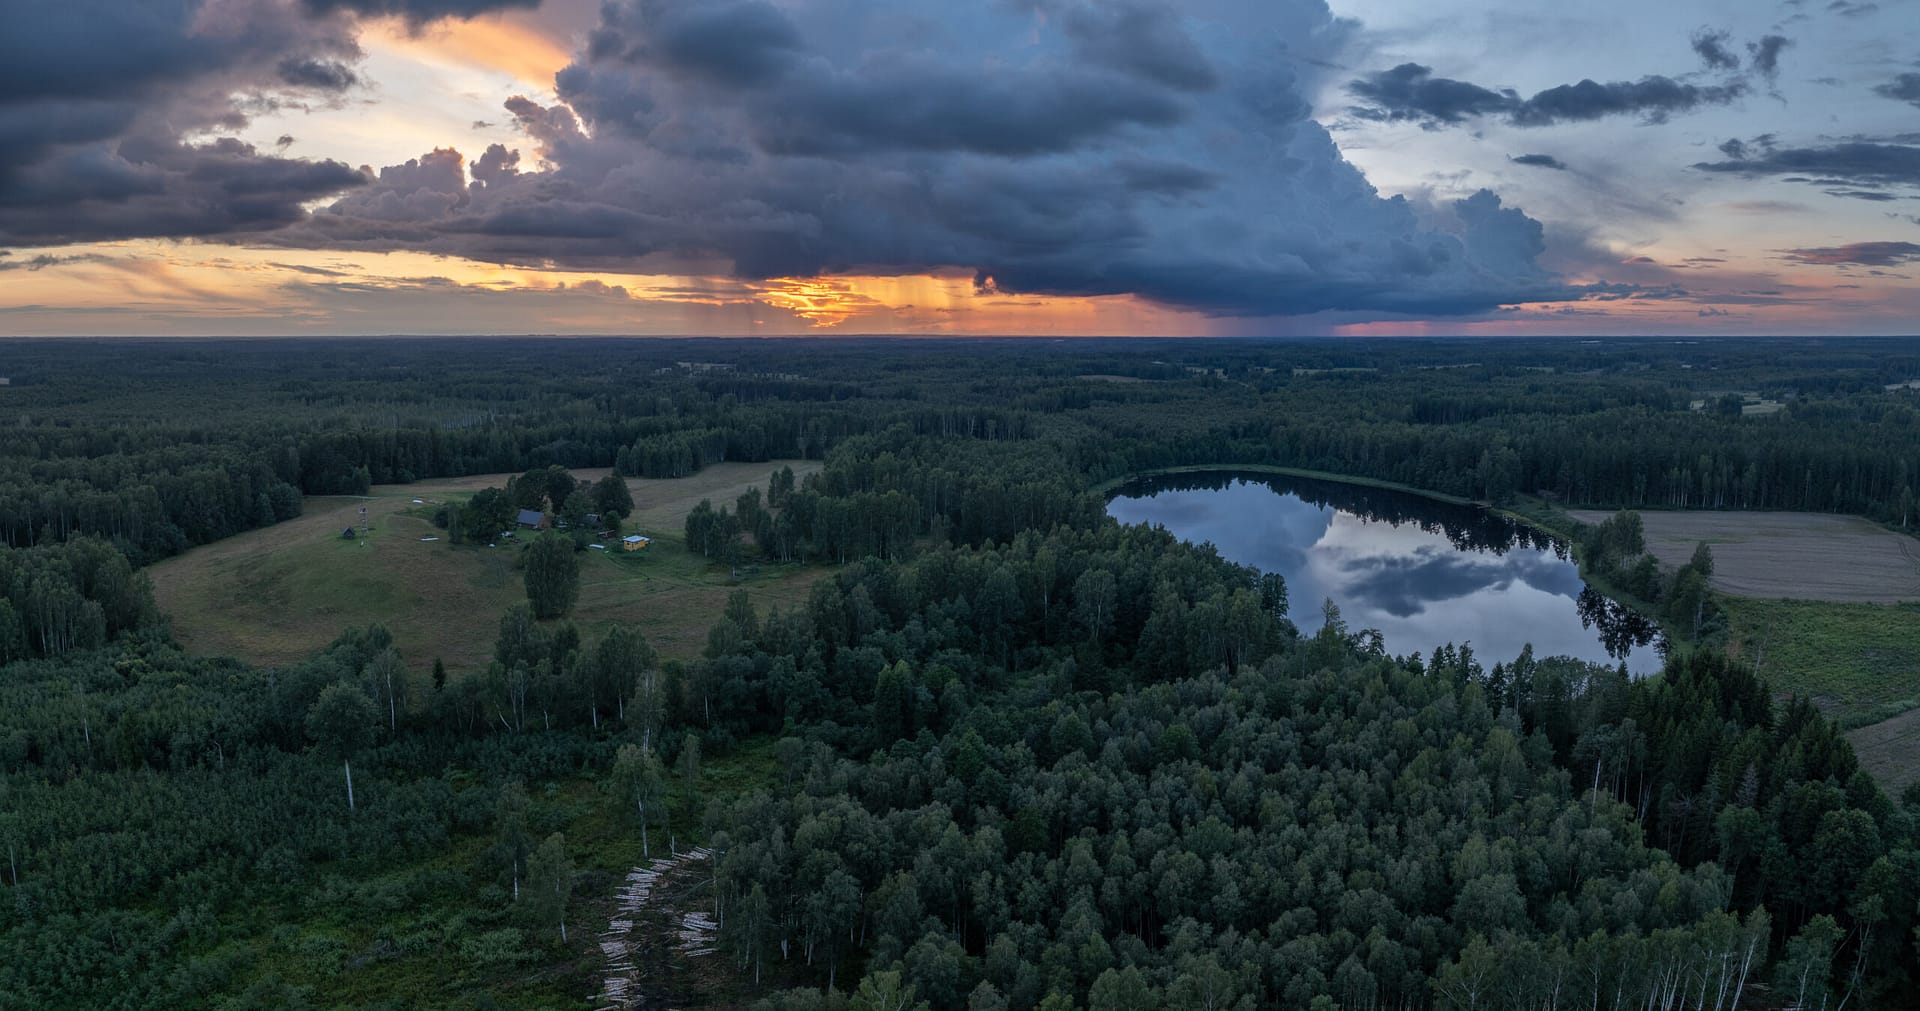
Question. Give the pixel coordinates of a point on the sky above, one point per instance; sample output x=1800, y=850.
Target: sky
x=1048, y=167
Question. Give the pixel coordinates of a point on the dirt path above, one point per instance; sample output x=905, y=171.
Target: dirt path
x=652, y=932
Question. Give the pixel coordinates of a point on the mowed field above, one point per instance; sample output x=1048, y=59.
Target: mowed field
x=1801, y=556
x=275, y=595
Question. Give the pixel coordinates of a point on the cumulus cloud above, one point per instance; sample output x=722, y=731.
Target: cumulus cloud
x=1059, y=147
x=107, y=107
x=417, y=12
x=1865, y=254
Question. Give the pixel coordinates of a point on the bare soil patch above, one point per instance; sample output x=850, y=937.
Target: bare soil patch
x=1799, y=556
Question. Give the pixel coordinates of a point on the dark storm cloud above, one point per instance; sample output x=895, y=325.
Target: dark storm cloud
x=98, y=99
x=323, y=75
x=417, y=11
x=1865, y=254
x=731, y=42
x=1143, y=40
x=1060, y=147
x=1411, y=93
x=144, y=189
x=1715, y=50
x=1860, y=164
x=1905, y=88
x=1653, y=98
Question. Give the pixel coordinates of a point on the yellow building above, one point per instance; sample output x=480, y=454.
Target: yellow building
x=633, y=542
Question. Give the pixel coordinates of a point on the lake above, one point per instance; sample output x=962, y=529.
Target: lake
x=1421, y=571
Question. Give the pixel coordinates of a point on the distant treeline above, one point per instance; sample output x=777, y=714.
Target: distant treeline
x=118, y=443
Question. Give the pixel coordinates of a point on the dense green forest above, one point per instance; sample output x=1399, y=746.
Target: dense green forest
x=1009, y=754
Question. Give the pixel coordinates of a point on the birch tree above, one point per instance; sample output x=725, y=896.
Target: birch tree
x=639, y=779
x=550, y=883
x=341, y=723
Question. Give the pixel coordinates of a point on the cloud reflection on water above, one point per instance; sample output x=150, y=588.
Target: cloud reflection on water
x=1429, y=574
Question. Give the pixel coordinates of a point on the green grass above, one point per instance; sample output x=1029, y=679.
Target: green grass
x=274, y=596
x=1861, y=662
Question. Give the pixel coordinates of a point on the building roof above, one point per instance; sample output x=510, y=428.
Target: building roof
x=531, y=517
x=634, y=539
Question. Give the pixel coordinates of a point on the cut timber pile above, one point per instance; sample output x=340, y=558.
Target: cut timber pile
x=693, y=933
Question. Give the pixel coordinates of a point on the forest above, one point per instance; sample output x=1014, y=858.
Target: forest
x=1008, y=754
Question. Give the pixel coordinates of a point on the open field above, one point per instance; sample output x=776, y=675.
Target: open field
x=274, y=595
x=1859, y=661
x=1802, y=556
x=1886, y=750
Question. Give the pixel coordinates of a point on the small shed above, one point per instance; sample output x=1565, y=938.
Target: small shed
x=633, y=542
x=531, y=519
x=347, y=534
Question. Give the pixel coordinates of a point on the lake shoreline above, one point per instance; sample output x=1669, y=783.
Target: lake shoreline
x=1246, y=531
x=1106, y=489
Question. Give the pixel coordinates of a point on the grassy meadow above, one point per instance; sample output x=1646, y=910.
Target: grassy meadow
x=1861, y=662
x=274, y=595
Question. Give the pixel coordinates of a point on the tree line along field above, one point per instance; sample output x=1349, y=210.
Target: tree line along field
x=976, y=746
x=1823, y=605
x=1797, y=556
x=275, y=595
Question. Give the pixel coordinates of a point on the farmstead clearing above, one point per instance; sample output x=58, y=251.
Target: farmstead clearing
x=275, y=595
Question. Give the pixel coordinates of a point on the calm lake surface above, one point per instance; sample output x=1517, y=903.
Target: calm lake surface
x=1423, y=572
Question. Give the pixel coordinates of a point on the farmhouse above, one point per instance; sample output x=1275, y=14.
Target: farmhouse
x=531, y=519
x=633, y=542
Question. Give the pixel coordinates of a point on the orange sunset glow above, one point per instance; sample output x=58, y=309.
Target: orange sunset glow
x=566, y=166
